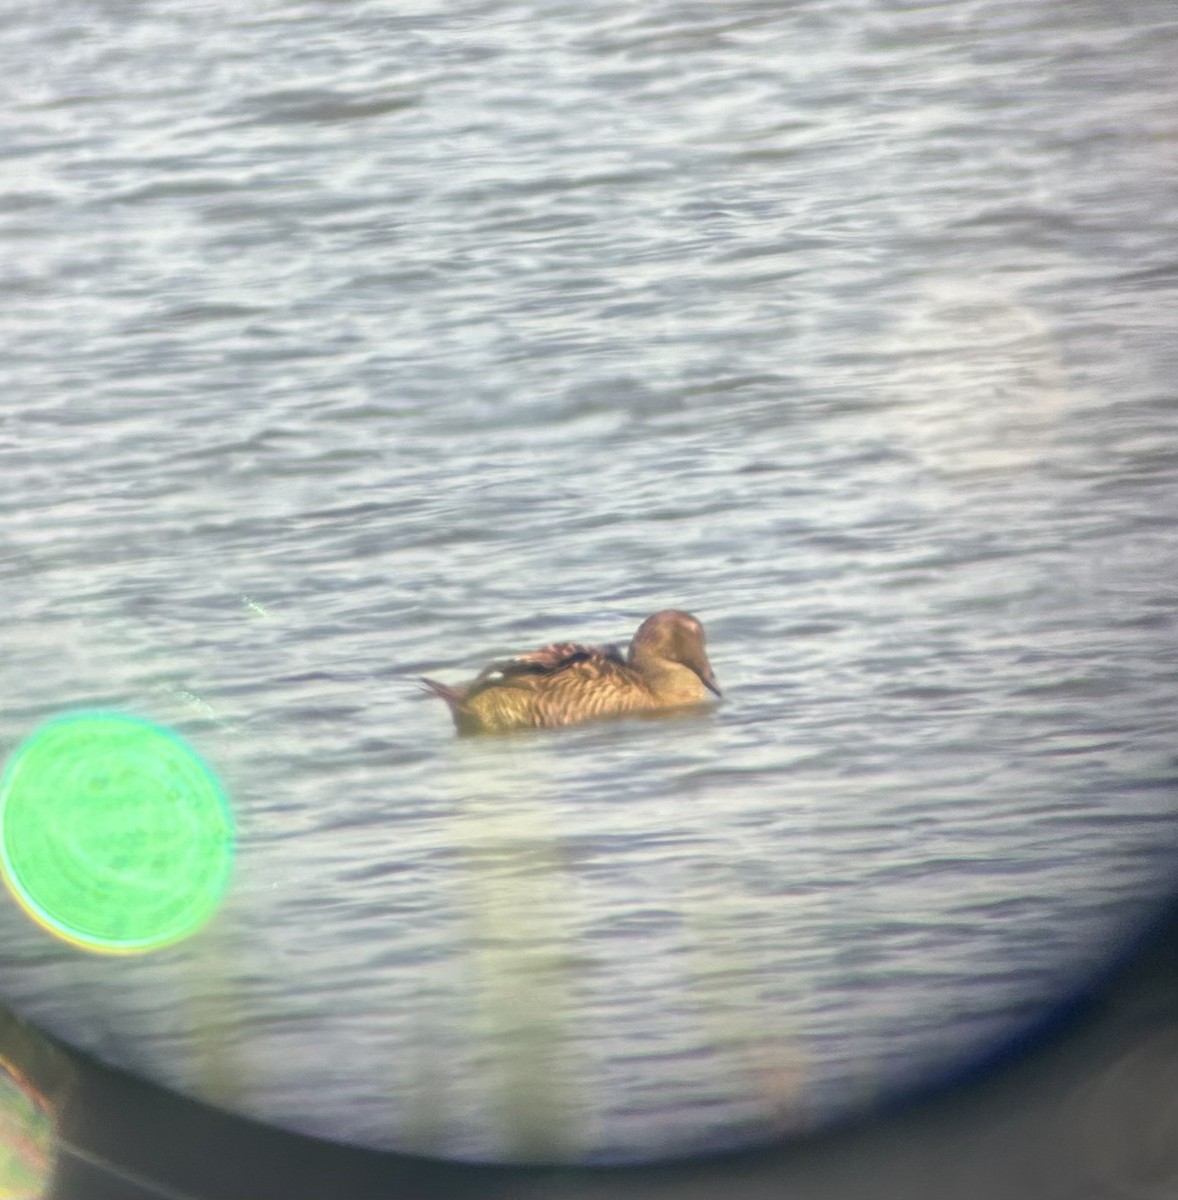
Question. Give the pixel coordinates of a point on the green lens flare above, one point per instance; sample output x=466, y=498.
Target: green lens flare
x=114, y=835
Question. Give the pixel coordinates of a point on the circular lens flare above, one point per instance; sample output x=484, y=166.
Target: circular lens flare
x=114, y=835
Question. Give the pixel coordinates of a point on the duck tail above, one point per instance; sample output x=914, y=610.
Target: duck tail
x=453, y=696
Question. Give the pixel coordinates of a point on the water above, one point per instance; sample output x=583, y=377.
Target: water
x=344, y=344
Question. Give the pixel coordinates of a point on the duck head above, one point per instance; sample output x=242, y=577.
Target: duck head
x=677, y=637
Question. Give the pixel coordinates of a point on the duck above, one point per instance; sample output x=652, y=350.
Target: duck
x=665, y=668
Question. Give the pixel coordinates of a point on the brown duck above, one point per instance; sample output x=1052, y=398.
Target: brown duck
x=666, y=667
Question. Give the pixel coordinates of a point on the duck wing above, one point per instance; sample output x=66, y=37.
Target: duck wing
x=549, y=660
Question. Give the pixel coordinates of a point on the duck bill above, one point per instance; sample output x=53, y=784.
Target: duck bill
x=709, y=680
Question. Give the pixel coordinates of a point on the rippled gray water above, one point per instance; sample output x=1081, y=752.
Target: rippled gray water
x=346, y=343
